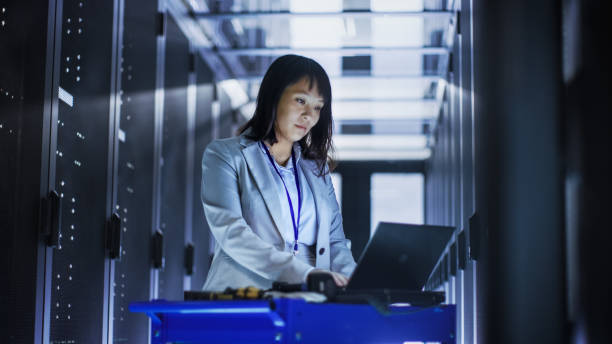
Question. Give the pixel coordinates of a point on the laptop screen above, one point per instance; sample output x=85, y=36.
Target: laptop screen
x=399, y=256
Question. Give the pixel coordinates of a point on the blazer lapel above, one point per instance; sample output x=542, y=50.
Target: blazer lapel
x=263, y=179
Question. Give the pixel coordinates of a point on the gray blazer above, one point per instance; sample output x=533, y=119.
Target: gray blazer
x=242, y=210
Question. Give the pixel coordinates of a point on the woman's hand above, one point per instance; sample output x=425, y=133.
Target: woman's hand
x=339, y=279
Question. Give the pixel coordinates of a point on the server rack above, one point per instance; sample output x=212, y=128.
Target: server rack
x=174, y=159
x=203, y=135
x=135, y=165
x=81, y=142
x=509, y=187
x=76, y=268
x=450, y=198
x=27, y=34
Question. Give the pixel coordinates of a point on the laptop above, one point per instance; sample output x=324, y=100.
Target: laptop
x=399, y=257
x=393, y=268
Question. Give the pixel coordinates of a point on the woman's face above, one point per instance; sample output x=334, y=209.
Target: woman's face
x=297, y=111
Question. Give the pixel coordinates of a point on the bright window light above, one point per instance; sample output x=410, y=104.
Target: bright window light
x=396, y=197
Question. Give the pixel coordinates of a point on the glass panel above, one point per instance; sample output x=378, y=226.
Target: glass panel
x=304, y=31
x=330, y=6
x=396, y=197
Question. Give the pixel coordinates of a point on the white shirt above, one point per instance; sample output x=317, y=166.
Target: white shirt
x=308, y=218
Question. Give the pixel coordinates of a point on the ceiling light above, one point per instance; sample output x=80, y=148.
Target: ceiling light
x=312, y=6
x=362, y=110
x=394, y=5
x=380, y=142
x=366, y=155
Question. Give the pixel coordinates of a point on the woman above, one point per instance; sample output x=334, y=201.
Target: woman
x=267, y=194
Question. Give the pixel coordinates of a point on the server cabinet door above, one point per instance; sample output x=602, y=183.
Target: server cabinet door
x=173, y=174
x=131, y=277
x=78, y=304
x=203, y=135
x=24, y=151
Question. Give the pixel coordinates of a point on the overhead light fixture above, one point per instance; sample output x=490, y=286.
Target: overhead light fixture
x=235, y=92
x=380, y=142
x=364, y=110
x=312, y=6
x=368, y=155
x=381, y=147
x=394, y=5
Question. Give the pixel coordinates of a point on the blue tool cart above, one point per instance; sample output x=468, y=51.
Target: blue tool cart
x=295, y=321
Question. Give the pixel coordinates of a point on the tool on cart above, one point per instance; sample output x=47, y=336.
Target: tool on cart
x=247, y=293
x=321, y=283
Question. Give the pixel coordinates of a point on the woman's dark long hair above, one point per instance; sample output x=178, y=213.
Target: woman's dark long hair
x=284, y=71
